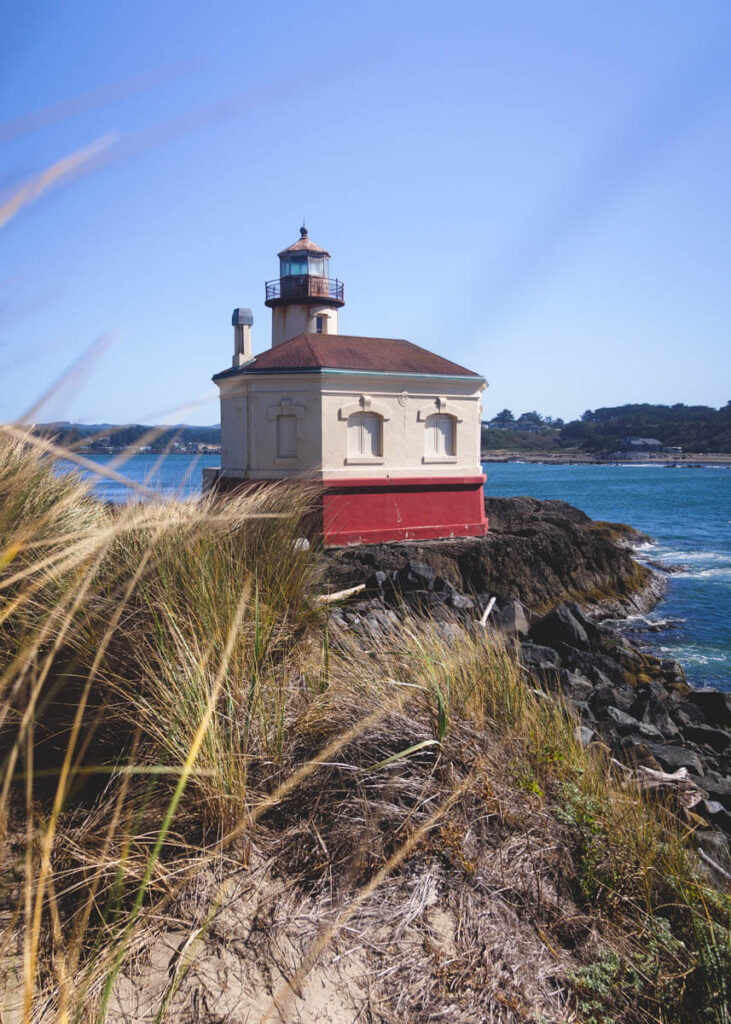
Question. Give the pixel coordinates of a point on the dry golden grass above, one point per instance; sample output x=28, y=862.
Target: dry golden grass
x=190, y=750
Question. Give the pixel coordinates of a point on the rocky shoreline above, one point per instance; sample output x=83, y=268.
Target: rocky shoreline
x=556, y=576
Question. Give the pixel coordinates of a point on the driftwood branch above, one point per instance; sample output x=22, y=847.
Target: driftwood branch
x=712, y=863
x=488, y=608
x=340, y=595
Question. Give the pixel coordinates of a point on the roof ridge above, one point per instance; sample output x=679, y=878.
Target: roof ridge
x=310, y=347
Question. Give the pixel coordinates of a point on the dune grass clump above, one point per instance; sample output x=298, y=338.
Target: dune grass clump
x=184, y=732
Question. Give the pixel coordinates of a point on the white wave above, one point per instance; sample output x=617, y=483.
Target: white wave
x=671, y=554
x=693, y=655
x=716, y=573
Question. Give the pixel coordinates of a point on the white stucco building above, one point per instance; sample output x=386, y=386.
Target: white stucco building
x=389, y=429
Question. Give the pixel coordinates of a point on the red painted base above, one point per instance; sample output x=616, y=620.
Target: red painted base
x=365, y=511
x=426, y=508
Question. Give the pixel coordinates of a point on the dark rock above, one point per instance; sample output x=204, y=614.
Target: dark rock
x=594, y=665
x=688, y=712
x=717, y=739
x=460, y=602
x=560, y=626
x=716, y=814
x=673, y=670
x=536, y=657
x=575, y=686
x=584, y=711
x=606, y=695
x=415, y=576
x=584, y=735
x=718, y=789
x=377, y=581
x=651, y=732
x=511, y=618
x=637, y=753
x=650, y=707
x=654, y=690
x=713, y=705
x=624, y=722
x=672, y=757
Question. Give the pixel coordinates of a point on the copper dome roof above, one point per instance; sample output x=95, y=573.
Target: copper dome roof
x=304, y=244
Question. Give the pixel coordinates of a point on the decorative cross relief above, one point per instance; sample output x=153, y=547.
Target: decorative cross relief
x=440, y=404
x=285, y=407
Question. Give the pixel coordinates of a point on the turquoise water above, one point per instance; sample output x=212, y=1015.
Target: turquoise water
x=686, y=511
x=688, y=514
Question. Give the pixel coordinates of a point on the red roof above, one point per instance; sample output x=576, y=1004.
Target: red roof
x=342, y=352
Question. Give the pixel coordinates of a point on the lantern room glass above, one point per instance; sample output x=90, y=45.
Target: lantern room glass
x=301, y=265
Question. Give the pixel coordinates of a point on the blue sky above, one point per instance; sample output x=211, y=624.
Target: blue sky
x=539, y=191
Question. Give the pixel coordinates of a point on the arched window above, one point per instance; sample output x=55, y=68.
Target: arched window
x=365, y=435
x=439, y=439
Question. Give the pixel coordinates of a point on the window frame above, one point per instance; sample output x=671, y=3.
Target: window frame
x=362, y=457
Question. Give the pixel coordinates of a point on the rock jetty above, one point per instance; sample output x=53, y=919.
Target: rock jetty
x=557, y=576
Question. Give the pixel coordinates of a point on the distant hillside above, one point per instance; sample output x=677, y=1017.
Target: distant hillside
x=130, y=435
x=695, y=428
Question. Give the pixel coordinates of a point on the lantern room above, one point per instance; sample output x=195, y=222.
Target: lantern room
x=304, y=298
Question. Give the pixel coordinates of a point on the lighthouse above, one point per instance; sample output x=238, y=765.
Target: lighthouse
x=303, y=299
x=389, y=430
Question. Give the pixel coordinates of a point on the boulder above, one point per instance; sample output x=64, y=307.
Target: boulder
x=584, y=735
x=415, y=576
x=651, y=709
x=673, y=757
x=716, y=739
x=716, y=814
x=575, y=686
x=560, y=626
x=535, y=657
x=714, y=706
x=717, y=788
x=625, y=722
x=511, y=618
x=595, y=665
x=606, y=695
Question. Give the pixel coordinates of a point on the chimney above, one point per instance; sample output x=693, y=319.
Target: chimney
x=242, y=319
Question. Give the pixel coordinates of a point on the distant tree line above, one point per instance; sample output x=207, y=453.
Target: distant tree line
x=131, y=435
x=695, y=428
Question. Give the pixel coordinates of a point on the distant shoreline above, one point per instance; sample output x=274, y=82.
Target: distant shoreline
x=579, y=458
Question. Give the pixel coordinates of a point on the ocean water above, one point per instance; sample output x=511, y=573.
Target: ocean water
x=687, y=512
x=170, y=475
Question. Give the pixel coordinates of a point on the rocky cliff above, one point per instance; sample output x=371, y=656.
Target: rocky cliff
x=540, y=552
x=555, y=575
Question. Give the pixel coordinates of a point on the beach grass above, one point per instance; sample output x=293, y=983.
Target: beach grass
x=180, y=719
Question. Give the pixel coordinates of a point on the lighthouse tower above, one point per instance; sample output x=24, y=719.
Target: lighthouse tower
x=303, y=299
x=388, y=430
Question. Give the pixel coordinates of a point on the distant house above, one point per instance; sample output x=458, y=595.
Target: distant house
x=640, y=444
x=526, y=428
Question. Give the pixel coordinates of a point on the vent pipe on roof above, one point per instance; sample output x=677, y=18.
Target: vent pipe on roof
x=242, y=320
